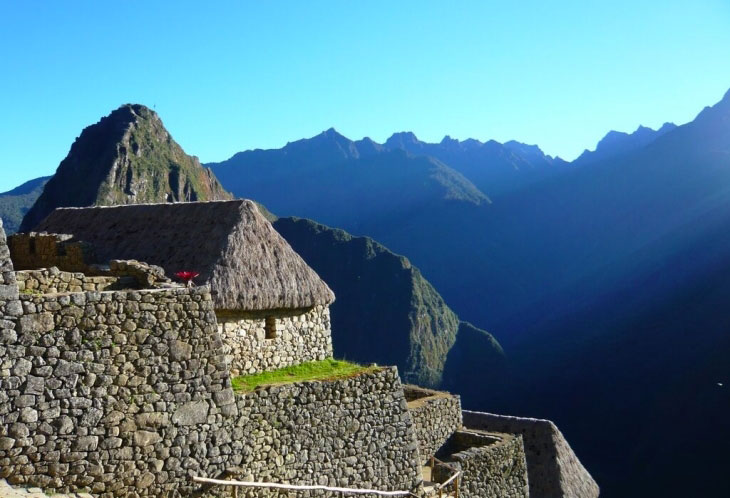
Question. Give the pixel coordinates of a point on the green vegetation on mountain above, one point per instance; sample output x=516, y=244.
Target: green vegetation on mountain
x=386, y=311
x=15, y=203
x=128, y=157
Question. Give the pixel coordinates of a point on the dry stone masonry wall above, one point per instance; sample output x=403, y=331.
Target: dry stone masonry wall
x=491, y=464
x=355, y=432
x=257, y=342
x=436, y=416
x=112, y=392
x=553, y=469
x=10, y=307
x=53, y=281
x=33, y=250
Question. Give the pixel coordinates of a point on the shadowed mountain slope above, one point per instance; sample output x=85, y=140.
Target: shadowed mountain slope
x=388, y=313
x=16, y=202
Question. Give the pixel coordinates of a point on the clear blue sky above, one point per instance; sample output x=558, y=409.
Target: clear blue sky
x=228, y=76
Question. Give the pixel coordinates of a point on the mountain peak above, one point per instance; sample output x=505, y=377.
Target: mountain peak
x=128, y=157
x=401, y=140
x=129, y=112
x=447, y=140
x=333, y=135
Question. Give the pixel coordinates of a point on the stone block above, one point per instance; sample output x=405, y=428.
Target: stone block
x=192, y=413
x=180, y=350
x=146, y=438
x=36, y=323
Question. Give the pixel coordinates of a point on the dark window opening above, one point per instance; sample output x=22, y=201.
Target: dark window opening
x=270, y=327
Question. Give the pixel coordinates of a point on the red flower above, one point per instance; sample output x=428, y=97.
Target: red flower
x=186, y=276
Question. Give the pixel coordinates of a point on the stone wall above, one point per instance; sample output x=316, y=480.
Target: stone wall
x=30, y=251
x=112, y=392
x=260, y=341
x=436, y=416
x=53, y=281
x=10, y=307
x=553, y=469
x=355, y=432
x=491, y=465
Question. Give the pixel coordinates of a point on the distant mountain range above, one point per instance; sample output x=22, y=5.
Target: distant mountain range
x=616, y=143
x=15, y=203
x=127, y=157
x=494, y=168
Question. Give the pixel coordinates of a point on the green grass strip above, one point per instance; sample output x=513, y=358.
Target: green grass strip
x=329, y=369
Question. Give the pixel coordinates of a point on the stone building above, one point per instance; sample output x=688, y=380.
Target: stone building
x=272, y=308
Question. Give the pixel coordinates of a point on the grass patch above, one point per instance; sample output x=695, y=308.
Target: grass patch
x=329, y=369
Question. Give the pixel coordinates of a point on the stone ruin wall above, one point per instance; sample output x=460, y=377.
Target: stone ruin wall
x=355, y=432
x=104, y=391
x=255, y=342
x=491, y=464
x=30, y=251
x=53, y=281
x=553, y=469
x=128, y=393
x=10, y=307
x=436, y=416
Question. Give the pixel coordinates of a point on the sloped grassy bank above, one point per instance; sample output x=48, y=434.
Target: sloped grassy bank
x=329, y=369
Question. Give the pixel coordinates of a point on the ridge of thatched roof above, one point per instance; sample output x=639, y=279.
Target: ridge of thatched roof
x=247, y=264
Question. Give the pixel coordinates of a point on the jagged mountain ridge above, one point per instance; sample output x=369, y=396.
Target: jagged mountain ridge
x=348, y=180
x=387, y=312
x=616, y=143
x=127, y=157
x=495, y=168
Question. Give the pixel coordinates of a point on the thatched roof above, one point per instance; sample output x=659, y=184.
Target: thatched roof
x=248, y=265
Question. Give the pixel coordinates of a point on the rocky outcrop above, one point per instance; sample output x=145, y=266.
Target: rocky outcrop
x=128, y=157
